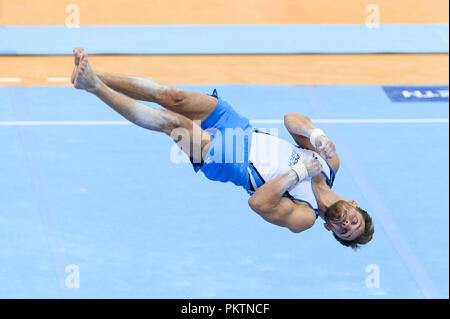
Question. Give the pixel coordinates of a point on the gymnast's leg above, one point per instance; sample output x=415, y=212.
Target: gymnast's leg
x=195, y=145
x=194, y=105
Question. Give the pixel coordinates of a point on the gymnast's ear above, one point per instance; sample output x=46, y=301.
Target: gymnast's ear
x=353, y=203
x=326, y=226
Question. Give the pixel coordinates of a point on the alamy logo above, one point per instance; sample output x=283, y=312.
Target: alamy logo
x=373, y=279
x=73, y=278
x=228, y=145
x=73, y=19
x=373, y=19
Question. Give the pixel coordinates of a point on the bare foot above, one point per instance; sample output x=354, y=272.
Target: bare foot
x=85, y=78
x=77, y=51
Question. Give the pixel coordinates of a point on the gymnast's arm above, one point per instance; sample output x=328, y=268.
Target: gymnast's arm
x=300, y=127
x=269, y=203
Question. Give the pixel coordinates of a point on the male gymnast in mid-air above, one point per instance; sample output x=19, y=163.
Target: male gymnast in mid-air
x=290, y=186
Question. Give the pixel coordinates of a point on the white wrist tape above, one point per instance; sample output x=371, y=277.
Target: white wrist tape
x=301, y=170
x=315, y=133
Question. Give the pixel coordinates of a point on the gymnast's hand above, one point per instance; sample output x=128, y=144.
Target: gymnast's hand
x=325, y=146
x=313, y=166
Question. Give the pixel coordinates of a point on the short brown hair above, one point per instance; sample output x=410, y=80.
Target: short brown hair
x=365, y=237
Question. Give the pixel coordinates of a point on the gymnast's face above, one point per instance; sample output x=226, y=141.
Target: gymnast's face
x=346, y=222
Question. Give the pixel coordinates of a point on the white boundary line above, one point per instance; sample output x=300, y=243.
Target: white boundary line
x=359, y=121
x=62, y=123
x=58, y=80
x=8, y=80
x=330, y=121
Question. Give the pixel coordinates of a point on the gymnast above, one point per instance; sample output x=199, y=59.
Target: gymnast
x=289, y=185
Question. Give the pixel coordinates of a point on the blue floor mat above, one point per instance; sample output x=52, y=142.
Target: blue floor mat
x=108, y=200
x=225, y=39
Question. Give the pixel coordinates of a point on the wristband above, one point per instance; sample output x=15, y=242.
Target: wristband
x=301, y=170
x=315, y=133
